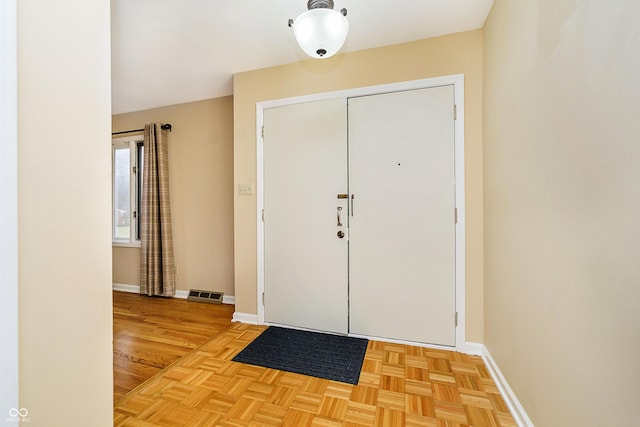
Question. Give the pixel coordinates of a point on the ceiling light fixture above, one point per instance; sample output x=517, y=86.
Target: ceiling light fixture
x=320, y=31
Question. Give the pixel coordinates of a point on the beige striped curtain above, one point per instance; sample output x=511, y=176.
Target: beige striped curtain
x=157, y=266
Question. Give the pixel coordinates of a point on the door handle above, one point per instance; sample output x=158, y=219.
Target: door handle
x=339, y=216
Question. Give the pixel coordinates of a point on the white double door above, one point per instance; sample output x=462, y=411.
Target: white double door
x=359, y=227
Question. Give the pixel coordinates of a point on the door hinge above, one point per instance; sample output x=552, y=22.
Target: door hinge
x=262, y=215
x=263, y=298
x=455, y=112
x=135, y=169
x=135, y=214
x=262, y=131
x=455, y=215
x=456, y=316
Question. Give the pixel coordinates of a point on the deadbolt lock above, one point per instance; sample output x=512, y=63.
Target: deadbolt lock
x=340, y=234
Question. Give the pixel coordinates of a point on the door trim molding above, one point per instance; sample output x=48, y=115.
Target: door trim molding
x=457, y=80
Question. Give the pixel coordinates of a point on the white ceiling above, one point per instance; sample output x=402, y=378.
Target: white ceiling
x=168, y=52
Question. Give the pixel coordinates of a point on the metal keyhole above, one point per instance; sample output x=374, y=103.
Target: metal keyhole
x=340, y=234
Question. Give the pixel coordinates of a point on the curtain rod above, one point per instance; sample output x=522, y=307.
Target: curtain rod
x=165, y=127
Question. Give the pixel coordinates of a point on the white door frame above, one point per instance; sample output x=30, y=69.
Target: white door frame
x=9, y=212
x=457, y=80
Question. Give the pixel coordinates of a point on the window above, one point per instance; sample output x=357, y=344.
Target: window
x=127, y=159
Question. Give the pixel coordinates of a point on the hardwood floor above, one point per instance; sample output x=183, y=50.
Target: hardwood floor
x=399, y=385
x=151, y=333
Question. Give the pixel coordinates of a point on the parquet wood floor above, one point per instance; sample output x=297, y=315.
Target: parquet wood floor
x=151, y=333
x=399, y=385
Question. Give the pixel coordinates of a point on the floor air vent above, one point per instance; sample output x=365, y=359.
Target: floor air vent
x=210, y=297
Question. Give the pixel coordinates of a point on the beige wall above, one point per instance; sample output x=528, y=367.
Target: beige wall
x=454, y=54
x=562, y=196
x=65, y=320
x=201, y=174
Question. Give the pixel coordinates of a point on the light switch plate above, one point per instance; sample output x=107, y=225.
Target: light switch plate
x=245, y=189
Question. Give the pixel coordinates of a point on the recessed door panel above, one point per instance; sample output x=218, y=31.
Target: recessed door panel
x=305, y=158
x=402, y=232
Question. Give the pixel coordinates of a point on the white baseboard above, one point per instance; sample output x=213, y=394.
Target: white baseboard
x=133, y=289
x=251, y=319
x=182, y=294
x=516, y=409
x=472, y=348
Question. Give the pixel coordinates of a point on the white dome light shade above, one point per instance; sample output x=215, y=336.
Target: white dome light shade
x=321, y=32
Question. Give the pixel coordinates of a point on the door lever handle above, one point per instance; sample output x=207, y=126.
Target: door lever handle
x=339, y=216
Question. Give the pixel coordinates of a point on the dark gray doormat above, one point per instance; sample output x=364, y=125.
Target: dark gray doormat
x=333, y=357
